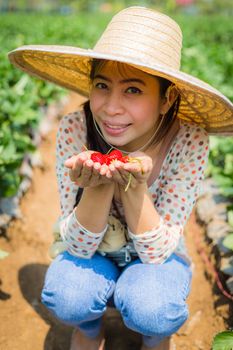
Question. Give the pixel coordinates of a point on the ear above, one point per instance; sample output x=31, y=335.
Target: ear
x=170, y=97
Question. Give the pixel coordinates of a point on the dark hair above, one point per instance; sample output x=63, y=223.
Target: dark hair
x=96, y=143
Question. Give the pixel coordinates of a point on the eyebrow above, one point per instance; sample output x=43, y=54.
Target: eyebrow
x=130, y=80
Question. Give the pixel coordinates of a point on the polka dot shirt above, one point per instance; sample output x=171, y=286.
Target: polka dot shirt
x=174, y=192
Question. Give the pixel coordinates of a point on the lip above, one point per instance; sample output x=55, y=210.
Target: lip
x=115, y=129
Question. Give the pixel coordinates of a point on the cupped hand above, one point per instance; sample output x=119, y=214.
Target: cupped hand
x=136, y=171
x=86, y=173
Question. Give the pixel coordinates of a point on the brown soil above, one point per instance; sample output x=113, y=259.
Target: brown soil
x=26, y=325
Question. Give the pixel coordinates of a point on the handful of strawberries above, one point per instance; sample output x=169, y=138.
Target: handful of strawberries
x=98, y=157
x=108, y=159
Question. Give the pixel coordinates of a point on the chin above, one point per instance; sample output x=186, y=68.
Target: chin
x=114, y=141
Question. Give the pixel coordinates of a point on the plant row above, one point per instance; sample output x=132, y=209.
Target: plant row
x=207, y=54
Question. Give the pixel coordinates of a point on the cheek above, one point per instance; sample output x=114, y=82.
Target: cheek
x=94, y=102
x=146, y=114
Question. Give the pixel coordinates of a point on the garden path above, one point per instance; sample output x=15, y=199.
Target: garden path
x=26, y=325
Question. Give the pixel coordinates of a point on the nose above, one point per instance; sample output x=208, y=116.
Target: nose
x=113, y=104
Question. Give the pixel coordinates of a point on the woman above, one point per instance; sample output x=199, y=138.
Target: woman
x=123, y=215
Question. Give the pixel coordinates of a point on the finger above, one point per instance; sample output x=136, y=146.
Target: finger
x=104, y=169
x=141, y=168
x=77, y=167
x=86, y=172
x=95, y=177
x=89, y=163
x=108, y=174
x=131, y=182
x=84, y=156
x=147, y=164
x=75, y=171
x=134, y=166
x=69, y=162
x=97, y=166
x=127, y=176
x=117, y=177
x=114, y=167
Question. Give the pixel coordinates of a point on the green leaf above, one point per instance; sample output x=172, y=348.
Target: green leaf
x=230, y=217
x=223, y=341
x=228, y=241
x=227, y=191
x=223, y=181
x=3, y=254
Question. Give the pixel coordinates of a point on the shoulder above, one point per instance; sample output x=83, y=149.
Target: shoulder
x=191, y=137
x=71, y=135
x=192, y=131
x=74, y=119
x=73, y=125
x=189, y=150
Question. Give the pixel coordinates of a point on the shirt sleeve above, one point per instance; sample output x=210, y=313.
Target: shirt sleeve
x=179, y=186
x=71, y=138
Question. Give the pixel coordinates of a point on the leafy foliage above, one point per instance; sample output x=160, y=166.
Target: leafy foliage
x=223, y=341
x=21, y=96
x=207, y=54
x=221, y=163
x=228, y=241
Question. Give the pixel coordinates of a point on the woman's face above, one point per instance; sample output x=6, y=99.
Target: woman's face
x=126, y=104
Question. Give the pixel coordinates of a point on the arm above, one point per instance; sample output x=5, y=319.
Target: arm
x=83, y=227
x=153, y=240
x=156, y=227
x=140, y=213
x=94, y=206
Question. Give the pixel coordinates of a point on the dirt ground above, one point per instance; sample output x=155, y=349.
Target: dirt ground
x=26, y=325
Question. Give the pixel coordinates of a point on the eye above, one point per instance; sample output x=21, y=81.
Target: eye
x=100, y=86
x=133, y=90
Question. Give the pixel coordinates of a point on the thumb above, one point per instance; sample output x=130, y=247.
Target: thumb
x=69, y=162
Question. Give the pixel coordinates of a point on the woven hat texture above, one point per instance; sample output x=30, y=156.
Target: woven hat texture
x=143, y=38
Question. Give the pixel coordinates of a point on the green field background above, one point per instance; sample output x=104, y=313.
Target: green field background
x=207, y=54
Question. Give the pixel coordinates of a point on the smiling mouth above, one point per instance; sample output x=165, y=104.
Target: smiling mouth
x=115, y=129
x=116, y=126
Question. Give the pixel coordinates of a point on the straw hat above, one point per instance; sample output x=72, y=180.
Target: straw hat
x=145, y=39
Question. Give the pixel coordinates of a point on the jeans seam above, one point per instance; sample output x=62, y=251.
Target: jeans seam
x=105, y=293
x=122, y=310
x=186, y=286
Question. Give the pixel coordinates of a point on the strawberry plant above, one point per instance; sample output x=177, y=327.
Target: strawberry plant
x=21, y=96
x=223, y=341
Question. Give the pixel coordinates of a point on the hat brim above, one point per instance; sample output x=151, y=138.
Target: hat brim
x=69, y=67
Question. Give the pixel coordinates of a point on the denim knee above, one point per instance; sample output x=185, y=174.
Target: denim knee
x=73, y=307
x=78, y=295
x=160, y=320
x=152, y=298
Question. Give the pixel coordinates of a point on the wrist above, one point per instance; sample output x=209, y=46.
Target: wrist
x=93, y=209
x=105, y=188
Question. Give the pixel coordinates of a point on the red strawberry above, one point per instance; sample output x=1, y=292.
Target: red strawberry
x=108, y=158
x=98, y=157
x=116, y=154
x=105, y=159
x=124, y=159
x=113, y=155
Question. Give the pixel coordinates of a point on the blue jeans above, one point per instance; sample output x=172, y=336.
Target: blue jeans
x=151, y=298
